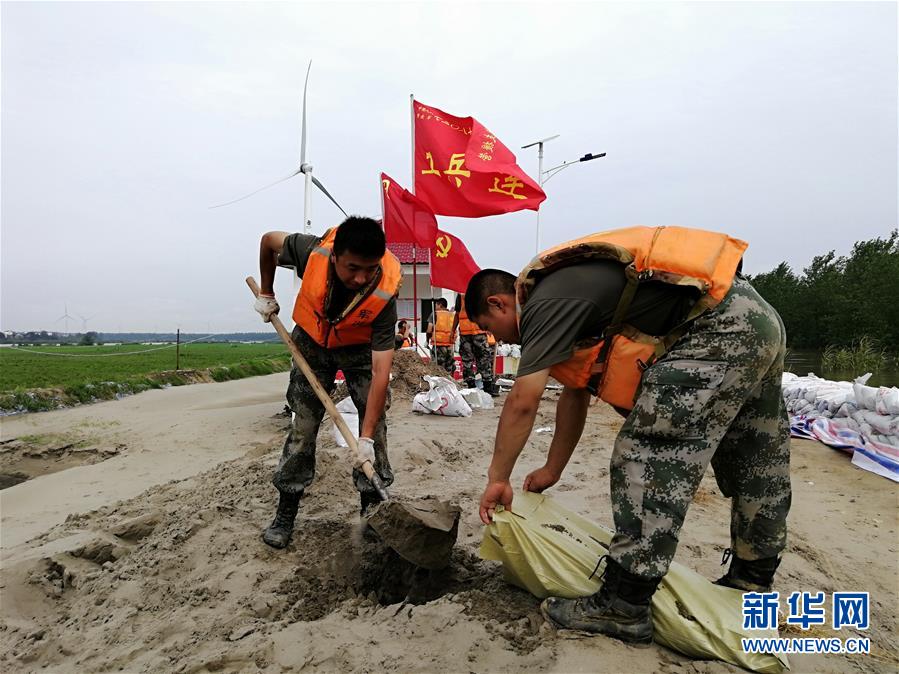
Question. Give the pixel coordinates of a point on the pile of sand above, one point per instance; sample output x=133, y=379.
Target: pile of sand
x=408, y=370
x=179, y=580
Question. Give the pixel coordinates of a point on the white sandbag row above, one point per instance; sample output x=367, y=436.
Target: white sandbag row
x=873, y=412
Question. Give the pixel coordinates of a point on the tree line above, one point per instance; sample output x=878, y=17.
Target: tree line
x=837, y=300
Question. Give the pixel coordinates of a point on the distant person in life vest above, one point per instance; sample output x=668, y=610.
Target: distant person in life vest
x=403, y=339
x=659, y=323
x=442, y=335
x=344, y=314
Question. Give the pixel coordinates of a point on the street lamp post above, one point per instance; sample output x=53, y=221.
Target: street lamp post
x=544, y=176
x=539, y=144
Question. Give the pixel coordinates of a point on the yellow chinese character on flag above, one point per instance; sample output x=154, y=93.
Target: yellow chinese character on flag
x=485, y=157
x=487, y=145
x=510, y=184
x=431, y=170
x=455, y=168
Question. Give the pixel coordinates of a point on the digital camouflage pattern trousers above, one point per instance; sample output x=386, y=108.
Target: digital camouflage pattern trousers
x=444, y=357
x=476, y=353
x=296, y=469
x=714, y=397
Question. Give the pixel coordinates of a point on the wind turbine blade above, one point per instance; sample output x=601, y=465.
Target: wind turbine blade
x=303, y=132
x=318, y=184
x=247, y=196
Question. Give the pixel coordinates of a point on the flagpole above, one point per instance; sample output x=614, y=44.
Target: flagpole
x=414, y=248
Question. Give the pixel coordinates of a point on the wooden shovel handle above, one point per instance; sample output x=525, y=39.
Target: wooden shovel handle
x=323, y=396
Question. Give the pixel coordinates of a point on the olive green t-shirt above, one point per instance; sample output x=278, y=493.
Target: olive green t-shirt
x=578, y=302
x=295, y=254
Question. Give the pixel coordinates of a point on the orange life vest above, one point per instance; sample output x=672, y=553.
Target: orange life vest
x=467, y=326
x=611, y=365
x=353, y=325
x=443, y=328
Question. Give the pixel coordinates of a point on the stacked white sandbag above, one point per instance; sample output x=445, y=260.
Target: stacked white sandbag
x=870, y=411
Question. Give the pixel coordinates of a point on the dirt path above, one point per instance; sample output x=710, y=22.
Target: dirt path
x=151, y=560
x=150, y=438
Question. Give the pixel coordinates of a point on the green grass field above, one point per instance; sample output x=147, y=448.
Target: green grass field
x=23, y=368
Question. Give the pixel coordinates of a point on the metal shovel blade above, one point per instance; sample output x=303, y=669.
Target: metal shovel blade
x=421, y=531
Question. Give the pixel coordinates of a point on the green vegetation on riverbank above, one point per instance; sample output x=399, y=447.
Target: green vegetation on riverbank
x=63, y=376
x=837, y=301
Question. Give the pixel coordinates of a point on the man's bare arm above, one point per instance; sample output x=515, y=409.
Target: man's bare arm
x=269, y=249
x=515, y=423
x=571, y=413
x=381, y=362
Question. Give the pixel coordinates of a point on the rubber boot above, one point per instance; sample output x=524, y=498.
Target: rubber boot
x=755, y=575
x=490, y=387
x=279, y=531
x=621, y=609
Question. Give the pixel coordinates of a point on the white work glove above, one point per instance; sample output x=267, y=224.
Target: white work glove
x=366, y=452
x=266, y=305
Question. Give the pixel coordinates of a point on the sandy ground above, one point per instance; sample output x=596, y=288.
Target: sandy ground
x=135, y=546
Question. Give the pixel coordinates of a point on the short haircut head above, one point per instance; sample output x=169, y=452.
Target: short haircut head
x=482, y=285
x=442, y=303
x=402, y=324
x=360, y=236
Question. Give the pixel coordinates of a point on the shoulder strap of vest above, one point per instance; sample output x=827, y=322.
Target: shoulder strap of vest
x=632, y=282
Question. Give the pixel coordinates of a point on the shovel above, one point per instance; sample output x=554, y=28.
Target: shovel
x=422, y=532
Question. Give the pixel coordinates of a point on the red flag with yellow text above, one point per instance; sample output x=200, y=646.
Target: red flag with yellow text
x=452, y=266
x=462, y=169
x=406, y=218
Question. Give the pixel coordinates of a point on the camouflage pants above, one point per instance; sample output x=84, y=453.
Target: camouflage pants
x=296, y=468
x=714, y=397
x=476, y=353
x=444, y=357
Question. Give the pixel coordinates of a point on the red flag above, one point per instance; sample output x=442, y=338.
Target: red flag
x=462, y=169
x=406, y=218
x=452, y=266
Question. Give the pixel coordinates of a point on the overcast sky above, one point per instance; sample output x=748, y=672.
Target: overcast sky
x=123, y=122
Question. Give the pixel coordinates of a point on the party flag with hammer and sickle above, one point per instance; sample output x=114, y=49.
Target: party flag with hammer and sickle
x=452, y=266
x=406, y=218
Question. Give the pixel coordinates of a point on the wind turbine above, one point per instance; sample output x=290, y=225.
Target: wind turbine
x=66, y=316
x=84, y=320
x=305, y=168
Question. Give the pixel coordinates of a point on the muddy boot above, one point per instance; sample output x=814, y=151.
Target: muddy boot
x=748, y=575
x=621, y=608
x=471, y=383
x=490, y=387
x=278, y=533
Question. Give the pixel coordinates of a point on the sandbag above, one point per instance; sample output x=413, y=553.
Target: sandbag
x=887, y=401
x=551, y=551
x=351, y=416
x=443, y=398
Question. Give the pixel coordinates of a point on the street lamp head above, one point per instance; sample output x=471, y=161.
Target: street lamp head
x=539, y=142
x=590, y=155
